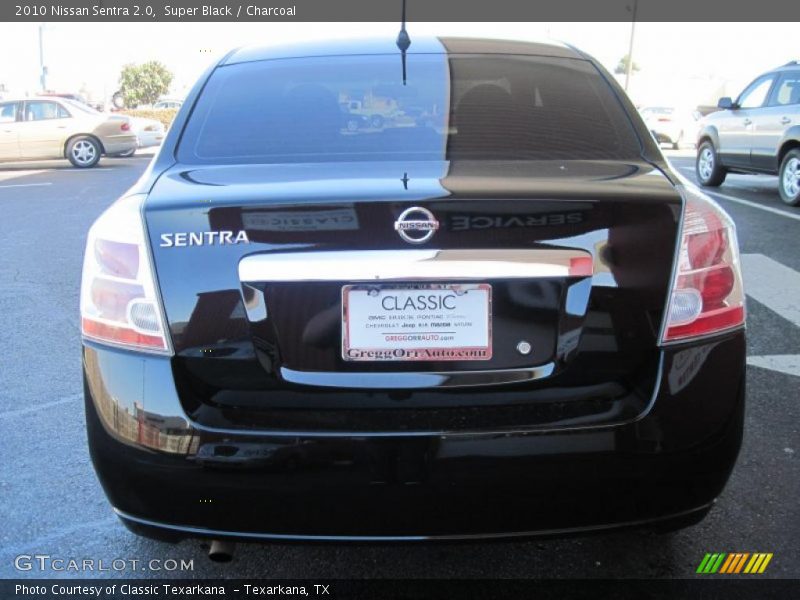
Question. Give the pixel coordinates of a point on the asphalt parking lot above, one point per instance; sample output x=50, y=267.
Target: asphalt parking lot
x=51, y=502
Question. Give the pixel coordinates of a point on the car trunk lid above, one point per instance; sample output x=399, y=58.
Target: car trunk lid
x=256, y=264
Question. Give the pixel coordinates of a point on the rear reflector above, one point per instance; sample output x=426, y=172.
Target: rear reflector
x=707, y=295
x=119, y=304
x=119, y=335
x=125, y=126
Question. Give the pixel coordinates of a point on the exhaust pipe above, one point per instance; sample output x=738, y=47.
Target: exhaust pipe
x=221, y=551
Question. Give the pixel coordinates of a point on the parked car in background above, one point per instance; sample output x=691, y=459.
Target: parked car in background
x=148, y=132
x=759, y=132
x=68, y=96
x=351, y=121
x=168, y=104
x=53, y=127
x=672, y=125
x=76, y=98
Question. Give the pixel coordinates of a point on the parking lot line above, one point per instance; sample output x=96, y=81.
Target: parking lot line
x=42, y=406
x=783, y=363
x=776, y=211
x=749, y=203
x=774, y=285
x=16, y=185
x=6, y=175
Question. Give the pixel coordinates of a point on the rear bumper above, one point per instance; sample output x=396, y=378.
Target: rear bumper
x=172, y=532
x=160, y=470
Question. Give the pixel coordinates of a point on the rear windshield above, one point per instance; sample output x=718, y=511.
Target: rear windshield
x=357, y=108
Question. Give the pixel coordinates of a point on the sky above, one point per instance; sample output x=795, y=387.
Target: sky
x=680, y=62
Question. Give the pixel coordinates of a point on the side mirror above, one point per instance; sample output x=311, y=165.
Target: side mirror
x=726, y=103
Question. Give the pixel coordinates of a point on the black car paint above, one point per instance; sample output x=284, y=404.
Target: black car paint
x=160, y=468
x=211, y=442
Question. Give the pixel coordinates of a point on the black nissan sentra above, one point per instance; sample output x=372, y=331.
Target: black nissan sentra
x=454, y=292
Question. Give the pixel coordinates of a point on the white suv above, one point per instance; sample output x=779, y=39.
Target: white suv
x=757, y=133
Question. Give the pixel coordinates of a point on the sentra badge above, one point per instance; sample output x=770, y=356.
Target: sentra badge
x=203, y=238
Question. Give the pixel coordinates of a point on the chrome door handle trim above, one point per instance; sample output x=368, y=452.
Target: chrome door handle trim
x=415, y=265
x=416, y=380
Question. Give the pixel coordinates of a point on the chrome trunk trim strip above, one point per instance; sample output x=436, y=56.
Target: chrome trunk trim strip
x=416, y=380
x=416, y=265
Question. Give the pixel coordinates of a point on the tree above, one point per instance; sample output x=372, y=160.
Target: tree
x=622, y=65
x=144, y=84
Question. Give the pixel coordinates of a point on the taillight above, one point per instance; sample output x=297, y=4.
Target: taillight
x=665, y=120
x=119, y=303
x=707, y=294
x=125, y=126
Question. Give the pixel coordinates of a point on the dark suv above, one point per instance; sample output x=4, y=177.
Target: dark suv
x=757, y=133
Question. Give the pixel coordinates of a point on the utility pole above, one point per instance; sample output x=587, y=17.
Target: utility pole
x=629, y=66
x=42, y=67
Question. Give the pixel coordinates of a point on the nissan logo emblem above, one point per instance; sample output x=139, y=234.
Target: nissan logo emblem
x=416, y=225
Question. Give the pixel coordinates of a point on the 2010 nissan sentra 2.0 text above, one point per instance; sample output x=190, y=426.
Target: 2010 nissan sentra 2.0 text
x=362, y=294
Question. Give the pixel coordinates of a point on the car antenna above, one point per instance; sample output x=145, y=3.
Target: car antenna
x=403, y=41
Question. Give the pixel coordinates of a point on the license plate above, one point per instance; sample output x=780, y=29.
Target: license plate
x=425, y=322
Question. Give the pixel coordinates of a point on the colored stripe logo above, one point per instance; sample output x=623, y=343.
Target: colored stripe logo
x=734, y=563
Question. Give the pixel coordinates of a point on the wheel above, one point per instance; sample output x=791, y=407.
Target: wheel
x=789, y=178
x=709, y=171
x=352, y=125
x=83, y=151
x=676, y=145
x=376, y=121
x=118, y=100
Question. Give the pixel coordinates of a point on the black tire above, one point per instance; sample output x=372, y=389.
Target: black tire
x=789, y=178
x=676, y=145
x=710, y=173
x=376, y=121
x=127, y=154
x=84, y=151
x=118, y=100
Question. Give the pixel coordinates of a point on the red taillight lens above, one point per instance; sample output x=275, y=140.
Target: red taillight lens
x=664, y=120
x=125, y=126
x=119, y=304
x=707, y=295
x=119, y=335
